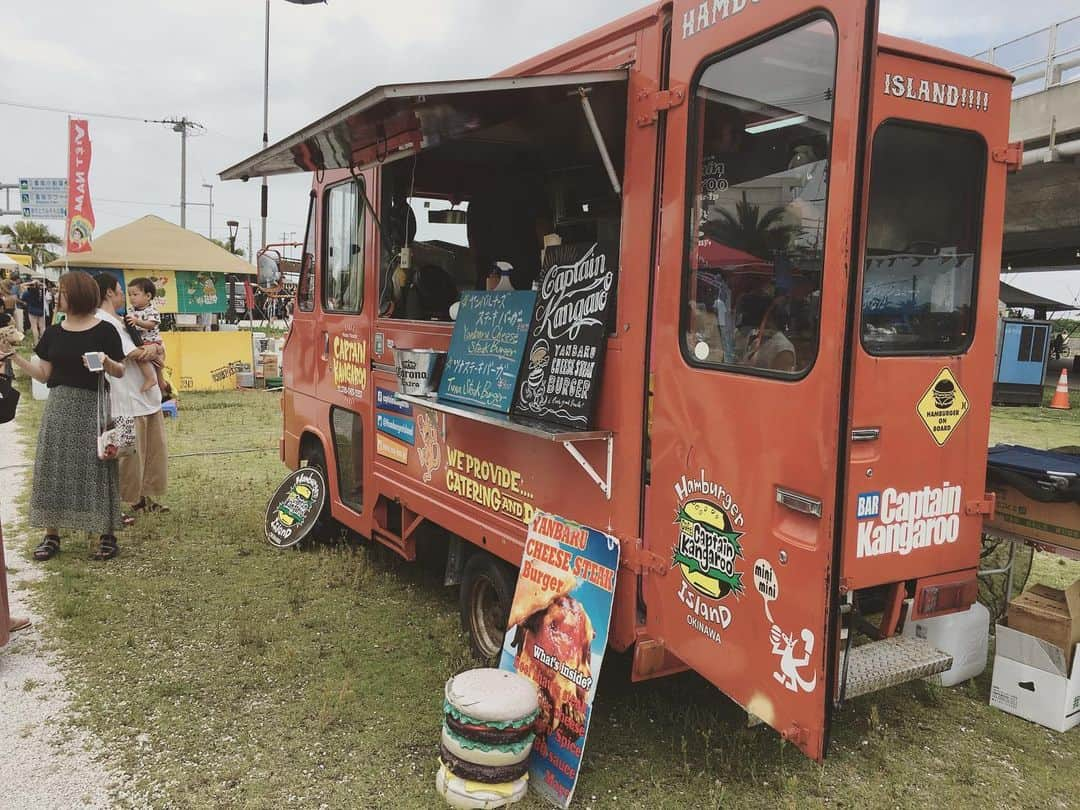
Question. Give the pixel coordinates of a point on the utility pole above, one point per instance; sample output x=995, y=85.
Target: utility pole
x=266, y=119
x=210, y=232
x=181, y=125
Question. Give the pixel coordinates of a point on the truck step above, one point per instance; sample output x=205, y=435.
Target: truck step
x=891, y=661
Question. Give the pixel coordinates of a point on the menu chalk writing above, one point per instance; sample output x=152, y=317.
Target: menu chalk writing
x=568, y=335
x=486, y=349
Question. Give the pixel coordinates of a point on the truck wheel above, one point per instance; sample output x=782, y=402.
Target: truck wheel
x=325, y=528
x=487, y=589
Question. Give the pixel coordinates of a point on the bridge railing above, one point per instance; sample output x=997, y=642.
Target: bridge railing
x=1041, y=60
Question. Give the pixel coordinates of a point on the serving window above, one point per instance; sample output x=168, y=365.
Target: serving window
x=759, y=175
x=472, y=212
x=923, y=233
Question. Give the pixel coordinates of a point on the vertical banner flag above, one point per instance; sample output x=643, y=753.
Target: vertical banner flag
x=80, y=222
x=558, y=632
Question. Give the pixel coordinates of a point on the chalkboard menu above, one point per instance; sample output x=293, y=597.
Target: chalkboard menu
x=487, y=347
x=560, y=379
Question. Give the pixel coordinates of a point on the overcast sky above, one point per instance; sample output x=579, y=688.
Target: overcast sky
x=203, y=59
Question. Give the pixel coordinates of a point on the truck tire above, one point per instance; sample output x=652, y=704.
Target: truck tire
x=326, y=528
x=487, y=589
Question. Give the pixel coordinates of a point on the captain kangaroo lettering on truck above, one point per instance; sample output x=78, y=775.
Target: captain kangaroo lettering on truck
x=892, y=522
x=751, y=402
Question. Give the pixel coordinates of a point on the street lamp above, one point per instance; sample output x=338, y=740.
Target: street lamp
x=233, y=227
x=210, y=233
x=266, y=104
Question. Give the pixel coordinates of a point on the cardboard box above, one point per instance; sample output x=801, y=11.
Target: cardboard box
x=270, y=366
x=1054, y=523
x=1049, y=614
x=1031, y=680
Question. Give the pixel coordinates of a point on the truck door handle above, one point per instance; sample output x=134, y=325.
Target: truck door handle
x=865, y=434
x=798, y=503
x=325, y=345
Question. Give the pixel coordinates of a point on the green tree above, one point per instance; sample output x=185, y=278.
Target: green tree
x=225, y=246
x=32, y=237
x=751, y=231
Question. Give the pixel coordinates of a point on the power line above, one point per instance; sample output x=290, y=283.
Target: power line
x=43, y=108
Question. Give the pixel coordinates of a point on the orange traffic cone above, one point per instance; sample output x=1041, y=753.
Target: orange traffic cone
x=1061, y=395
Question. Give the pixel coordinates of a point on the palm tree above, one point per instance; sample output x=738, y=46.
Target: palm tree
x=751, y=231
x=32, y=237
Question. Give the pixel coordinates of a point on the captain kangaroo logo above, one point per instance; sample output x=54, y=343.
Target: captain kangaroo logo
x=708, y=543
x=892, y=522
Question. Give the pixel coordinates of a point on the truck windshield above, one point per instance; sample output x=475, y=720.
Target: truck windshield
x=759, y=174
x=923, y=233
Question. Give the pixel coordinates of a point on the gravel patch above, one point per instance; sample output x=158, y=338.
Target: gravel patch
x=45, y=762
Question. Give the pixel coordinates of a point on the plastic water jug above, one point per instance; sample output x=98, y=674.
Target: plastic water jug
x=965, y=636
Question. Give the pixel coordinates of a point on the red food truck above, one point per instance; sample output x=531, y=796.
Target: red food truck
x=791, y=433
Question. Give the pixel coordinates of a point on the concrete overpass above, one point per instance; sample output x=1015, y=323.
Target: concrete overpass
x=1042, y=220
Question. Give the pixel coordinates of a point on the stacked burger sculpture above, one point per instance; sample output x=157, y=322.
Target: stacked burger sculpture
x=487, y=736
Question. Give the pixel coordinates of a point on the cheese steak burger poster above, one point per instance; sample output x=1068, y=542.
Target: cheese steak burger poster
x=556, y=636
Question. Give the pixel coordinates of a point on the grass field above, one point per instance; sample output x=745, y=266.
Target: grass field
x=222, y=673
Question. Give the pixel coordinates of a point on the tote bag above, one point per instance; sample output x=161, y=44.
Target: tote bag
x=9, y=399
x=116, y=429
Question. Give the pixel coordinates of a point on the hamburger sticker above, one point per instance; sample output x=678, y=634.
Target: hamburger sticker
x=556, y=637
x=707, y=552
x=943, y=406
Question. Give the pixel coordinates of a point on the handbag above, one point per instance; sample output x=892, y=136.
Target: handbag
x=116, y=431
x=9, y=399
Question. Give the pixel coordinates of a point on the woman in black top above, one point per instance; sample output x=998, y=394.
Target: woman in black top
x=73, y=488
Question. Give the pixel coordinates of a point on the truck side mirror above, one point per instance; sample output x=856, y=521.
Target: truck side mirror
x=269, y=272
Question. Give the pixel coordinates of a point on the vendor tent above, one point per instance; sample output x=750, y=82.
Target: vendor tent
x=152, y=244
x=1015, y=298
x=8, y=263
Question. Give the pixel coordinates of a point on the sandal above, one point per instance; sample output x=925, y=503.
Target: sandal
x=47, y=548
x=108, y=548
x=146, y=505
x=18, y=623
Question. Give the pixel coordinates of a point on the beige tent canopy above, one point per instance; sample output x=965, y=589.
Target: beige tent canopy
x=151, y=243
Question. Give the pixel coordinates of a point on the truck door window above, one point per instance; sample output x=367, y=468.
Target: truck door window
x=343, y=261
x=306, y=287
x=759, y=177
x=923, y=232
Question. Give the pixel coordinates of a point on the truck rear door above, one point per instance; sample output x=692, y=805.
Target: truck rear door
x=748, y=347
x=924, y=352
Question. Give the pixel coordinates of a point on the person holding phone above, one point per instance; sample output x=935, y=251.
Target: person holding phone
x=72, y=487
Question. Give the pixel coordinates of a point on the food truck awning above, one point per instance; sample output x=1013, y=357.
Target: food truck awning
x=396, y=120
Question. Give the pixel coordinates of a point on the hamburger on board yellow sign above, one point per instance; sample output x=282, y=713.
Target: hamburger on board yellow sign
x=943, y=406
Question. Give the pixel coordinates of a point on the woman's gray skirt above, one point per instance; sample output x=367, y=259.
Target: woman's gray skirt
x=73, y=488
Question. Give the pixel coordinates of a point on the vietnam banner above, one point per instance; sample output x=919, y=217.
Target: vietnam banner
x=80, y=222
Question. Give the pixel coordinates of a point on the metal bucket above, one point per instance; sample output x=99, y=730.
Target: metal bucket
x=418, y=370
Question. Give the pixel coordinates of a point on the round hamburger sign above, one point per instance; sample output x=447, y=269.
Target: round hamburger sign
x=295, y=508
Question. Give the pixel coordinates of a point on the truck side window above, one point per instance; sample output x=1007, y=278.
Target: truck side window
x=306, y=288
x=759, y=175
x=923, y=233
x=343, y=258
